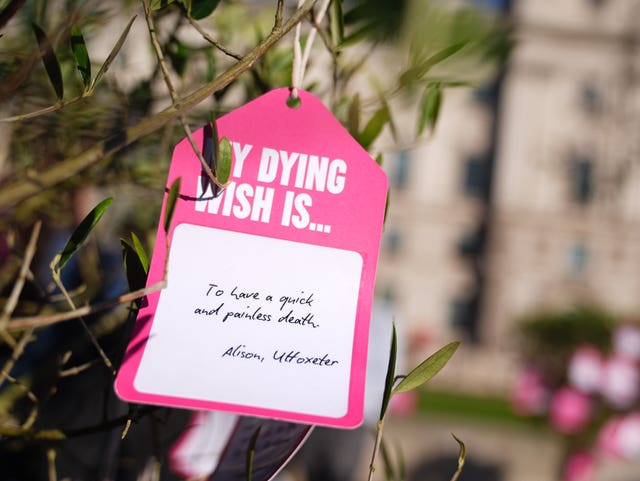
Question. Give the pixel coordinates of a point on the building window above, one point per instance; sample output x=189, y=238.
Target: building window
x=476, y=177
x=392, y=241
x=472, y=243
x=463, y=315
x=389, y=295
x=577, y=259
x=590, y=98
x=399, y=169
x=582, y=180
x=486, y=94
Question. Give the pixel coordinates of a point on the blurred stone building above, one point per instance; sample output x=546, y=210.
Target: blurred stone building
x=528, y=195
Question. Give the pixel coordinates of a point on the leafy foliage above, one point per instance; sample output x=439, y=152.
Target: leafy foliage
x=430, y=110
x=172, y=198
x=81, y=232
x=557, y=333
x=81, y=54
x=49, y=60
x=391, y=374
x=85, y=139
x=427, y=369
x=136, y=263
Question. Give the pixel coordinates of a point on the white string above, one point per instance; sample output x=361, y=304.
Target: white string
x=300, y=60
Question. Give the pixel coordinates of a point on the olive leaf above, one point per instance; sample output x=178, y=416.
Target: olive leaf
x=430, y=107
x=427, y=369
x=391, y=373
x=170, y=207
x=112, y=55
x=142, y=254
x=80, y=234
x=199, y=9
x=133, y=266
x=51, y=64
x=223, y=169
x=81, y=55
x=158, y=4
x=374, y=127
x=337, y=23
x=353, y=116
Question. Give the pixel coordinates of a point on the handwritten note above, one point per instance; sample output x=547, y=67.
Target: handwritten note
x=270, y=283
x=269, y=330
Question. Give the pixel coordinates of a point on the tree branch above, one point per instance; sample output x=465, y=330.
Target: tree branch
x=12, y=302
x=21, y=323
x=174, y=95
x=212, y=41
x=18, y=190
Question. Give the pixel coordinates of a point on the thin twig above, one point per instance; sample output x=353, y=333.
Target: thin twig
x=51, y=462
x=12, y=302
x=33, y=413
x=212, y=41
x=279, y=8
x=59, y=105
x=21, y=323
x=174, y=95
x=74, y=371
x=92, y=338
x=19, y=432
x=376, y=447
x=18, y=350
x=21, y=189
x=158, y=51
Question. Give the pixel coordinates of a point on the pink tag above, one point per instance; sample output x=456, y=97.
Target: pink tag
x=270, y=284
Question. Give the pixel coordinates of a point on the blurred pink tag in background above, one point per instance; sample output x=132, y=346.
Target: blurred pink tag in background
x=270, y=283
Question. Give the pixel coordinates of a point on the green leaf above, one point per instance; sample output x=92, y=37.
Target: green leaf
x=427, y=369
x=112, y=55
x=374, y=127
x=211, y=65
x=82, y=232
x=430, y=107
x=353, y=116
x=81, y=54
x=172, y=198
x=178, y=55
x=158, y=4
x=199, y=9
x=358, y=36
x=391, y=373
x=251, y=451
x=461, y=457
x=49, y=60
x=133, y=266
x=142, y=254
x=337, y=23
x=420, y=69
x=445, y=53
x=379, y=159
x=392, y=124
x=223, y=169
x=386, y=206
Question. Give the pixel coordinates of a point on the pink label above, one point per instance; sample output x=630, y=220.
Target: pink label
x=270, y=284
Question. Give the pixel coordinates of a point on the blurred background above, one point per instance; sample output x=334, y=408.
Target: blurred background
x=513, y=221
x=515, y=228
